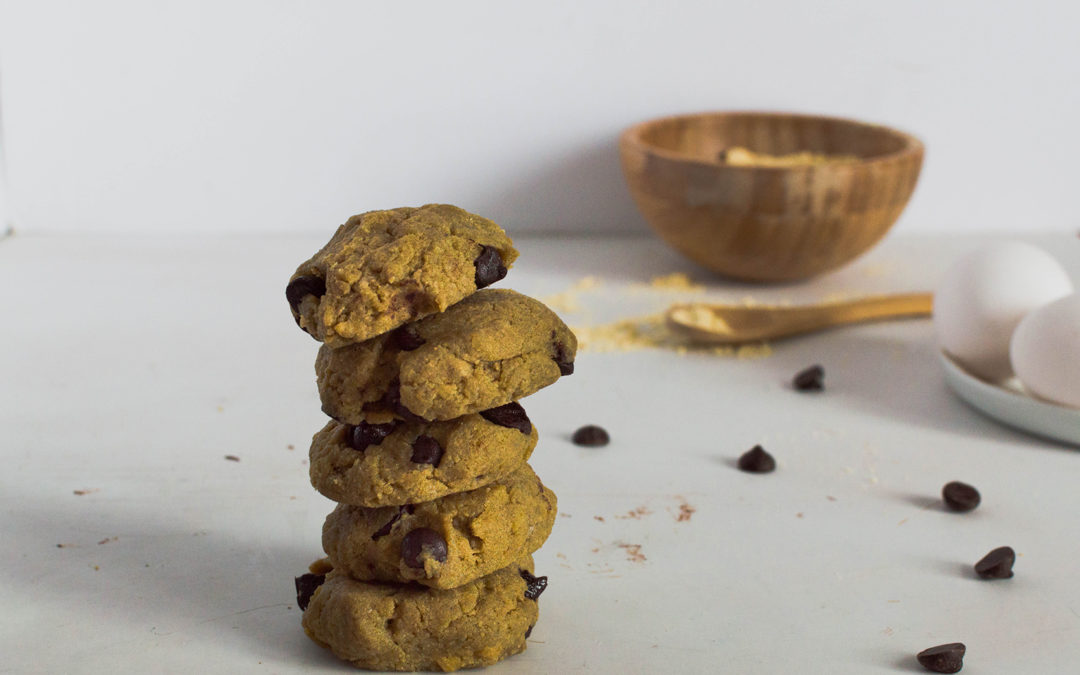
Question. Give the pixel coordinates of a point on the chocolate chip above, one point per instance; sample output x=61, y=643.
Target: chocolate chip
x=362, y=435
x=811, y=379
x=960, y=496
x=407, y=339
x=943, y=658
x=529, y=631
x=510, y=415
x=305, y=588
x=426, y=450
x=301, y=287
x=997, y=564
x=566, y=366
x=392, y=400
x=422, y=543
x=591, y=436
x=534, y=585
x=489, y=267
x=385, y=529
x=756, y=460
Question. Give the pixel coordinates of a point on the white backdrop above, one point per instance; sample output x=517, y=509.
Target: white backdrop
x=275, y=115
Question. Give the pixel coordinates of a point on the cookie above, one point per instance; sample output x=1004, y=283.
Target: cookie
x=494, y=347
x=383, y=269
x=385, y=461
x=406, y=627
x=446, y=542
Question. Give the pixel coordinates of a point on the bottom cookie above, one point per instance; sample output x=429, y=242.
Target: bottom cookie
x=380, y=626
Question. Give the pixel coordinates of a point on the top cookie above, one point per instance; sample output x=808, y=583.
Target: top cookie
x=383, y=269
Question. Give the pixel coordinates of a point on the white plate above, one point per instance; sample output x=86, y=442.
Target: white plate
x=1010, y=405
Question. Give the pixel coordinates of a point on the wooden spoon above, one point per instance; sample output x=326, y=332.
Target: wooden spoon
x=729, y=324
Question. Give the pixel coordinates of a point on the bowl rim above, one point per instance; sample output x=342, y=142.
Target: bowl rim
x=632, y=136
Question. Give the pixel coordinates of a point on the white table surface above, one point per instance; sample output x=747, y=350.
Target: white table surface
x=132, y=366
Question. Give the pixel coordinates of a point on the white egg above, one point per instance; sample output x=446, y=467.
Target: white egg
x=1045, y=351
x=983, y=297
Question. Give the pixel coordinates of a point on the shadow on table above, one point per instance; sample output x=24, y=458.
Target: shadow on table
x=892, y=378
x=161, y=580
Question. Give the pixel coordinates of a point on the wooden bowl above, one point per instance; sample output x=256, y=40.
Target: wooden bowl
x=761, y=223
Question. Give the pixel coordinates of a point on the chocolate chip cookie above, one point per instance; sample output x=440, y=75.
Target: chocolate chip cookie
x=494, y=347
x=446, y=542
x=384, y=461
x=383, y=269
x=406, y=627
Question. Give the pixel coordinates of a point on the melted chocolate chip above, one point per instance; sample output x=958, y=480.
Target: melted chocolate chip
x=489, y=267
x=392, y=401
x=811, y=379
x=426, y=450
x=301, y=287
x=534, y=585
x=528, y=632
x=420, y=544
x=566, y=367
x=511, y=415
x=305, y=588
x=385, y=529
x=756, y=460
x=407, y=339
x=960, y=496
x=997, y=564
x=943, y=658
x=591, y=436
x=362, y=435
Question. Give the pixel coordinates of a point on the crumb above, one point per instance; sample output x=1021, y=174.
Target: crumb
x=564, y=515
x=799, y=514
x=85, y=492
x=600, y=518
x=676, y=281
x=830, y=498
x=292, y=498
x=887, y=631
x=636, y=514
x=596, y=550
x=232, y=458
x=106, y=540
x=95, y=568
x=561, y=556
x=685, y=511
x=633, y=552
x=901, y=522
x=567, y=301
x=221, y=408
x=290, y=446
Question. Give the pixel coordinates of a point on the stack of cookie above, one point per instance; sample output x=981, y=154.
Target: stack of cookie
x=428, y=561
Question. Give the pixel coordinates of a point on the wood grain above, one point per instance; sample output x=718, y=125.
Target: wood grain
x=769, y=223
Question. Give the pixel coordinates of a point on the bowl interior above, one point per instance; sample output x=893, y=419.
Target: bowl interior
x=703, y=137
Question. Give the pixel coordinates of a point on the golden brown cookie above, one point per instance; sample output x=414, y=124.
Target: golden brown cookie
x=407, y=627
x=382, y=269
x=446, y=542
x=494, y=347
x=384, y=461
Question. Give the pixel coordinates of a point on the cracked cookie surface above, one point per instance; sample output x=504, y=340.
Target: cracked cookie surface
x=406, y=627
x=445, y=542
x=383, y=269
x=385, y=461
x=494, y=347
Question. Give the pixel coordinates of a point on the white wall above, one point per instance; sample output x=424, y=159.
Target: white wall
x=271, y=115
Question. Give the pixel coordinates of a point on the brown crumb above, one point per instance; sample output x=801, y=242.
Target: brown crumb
x=290, y=446
x=232, y=458
x=636, y=514
x=685, y=511
x=600, y=518
x=106, y=540
x=96, y=568
x=85, y=492
x=799, y=514
x=596, y=550
x=564, y=515
x=830, y=498
x=633, y=552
